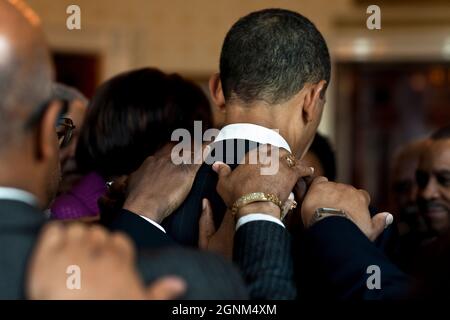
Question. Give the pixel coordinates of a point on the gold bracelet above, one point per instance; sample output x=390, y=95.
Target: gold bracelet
x=255, y=197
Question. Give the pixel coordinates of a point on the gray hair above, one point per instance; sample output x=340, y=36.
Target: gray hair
x=68, y=94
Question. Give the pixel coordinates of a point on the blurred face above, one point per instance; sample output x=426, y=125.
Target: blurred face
x=311, y=160
x=310, y=128
x=404, y=185
x=433, y=180
x=77, y=113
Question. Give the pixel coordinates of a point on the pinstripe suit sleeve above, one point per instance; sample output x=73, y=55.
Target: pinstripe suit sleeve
x=262, y=250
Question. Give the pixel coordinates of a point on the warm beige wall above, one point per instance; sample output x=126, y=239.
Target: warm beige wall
x=185, y=35
x=176, y=35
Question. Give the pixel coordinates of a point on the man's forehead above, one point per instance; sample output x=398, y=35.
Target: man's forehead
x=437, y=155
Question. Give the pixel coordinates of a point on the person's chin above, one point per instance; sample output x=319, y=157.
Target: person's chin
x=438, y=220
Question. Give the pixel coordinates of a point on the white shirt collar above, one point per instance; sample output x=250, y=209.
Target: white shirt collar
x=154, y=223
x=252, y=132
x=18, y=195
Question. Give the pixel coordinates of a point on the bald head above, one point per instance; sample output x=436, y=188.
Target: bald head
x=26, y=70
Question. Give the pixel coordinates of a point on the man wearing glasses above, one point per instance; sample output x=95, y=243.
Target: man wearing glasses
x=33, y=129
x=75, y=106
x=64, y=131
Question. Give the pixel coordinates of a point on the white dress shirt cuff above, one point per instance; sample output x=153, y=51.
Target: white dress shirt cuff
x=153, y=223
x=257, y=217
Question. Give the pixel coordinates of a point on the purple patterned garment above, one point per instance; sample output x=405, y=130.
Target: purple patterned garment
x=81, y=201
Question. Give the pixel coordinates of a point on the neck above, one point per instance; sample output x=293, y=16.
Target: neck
x=272, y=117
x=14, y=175
x=8, y=183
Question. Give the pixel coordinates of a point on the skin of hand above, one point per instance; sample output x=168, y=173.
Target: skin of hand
x=106, y=263
x=218, y=241
x=247, y=178
x=355, y=203
x=159, y=186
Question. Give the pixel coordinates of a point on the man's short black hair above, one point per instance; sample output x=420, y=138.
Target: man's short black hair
x=270, y=54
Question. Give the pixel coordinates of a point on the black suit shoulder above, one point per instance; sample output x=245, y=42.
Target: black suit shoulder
x=339, y=256
x=20, y=225
x=182, y=224
x=143, y=233
x=208, y=276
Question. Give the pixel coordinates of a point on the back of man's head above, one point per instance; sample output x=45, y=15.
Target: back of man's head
x=25, y=69
x=269, y=55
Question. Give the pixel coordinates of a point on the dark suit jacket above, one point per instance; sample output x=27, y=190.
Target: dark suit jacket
x=144, y=234
x=182, y=225
x=19, y=227
x=331, y=259
x=261, y=249
x=334, y=260
x=207, y=276
x=263, y=252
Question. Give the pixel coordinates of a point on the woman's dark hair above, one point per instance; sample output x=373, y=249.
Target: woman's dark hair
x=134, y=114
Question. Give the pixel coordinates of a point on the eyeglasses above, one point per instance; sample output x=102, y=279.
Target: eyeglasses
x=64, y=130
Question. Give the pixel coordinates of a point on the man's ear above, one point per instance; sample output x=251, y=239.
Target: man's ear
x=312, y=99
x=47, y=139
x=215, y=89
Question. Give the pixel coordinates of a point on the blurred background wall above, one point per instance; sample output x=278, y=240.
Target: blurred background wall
x=389, y=86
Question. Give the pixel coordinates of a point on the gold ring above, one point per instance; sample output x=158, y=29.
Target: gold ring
x=290, y=160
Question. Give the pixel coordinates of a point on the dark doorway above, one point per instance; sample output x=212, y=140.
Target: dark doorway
x=80, y=70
